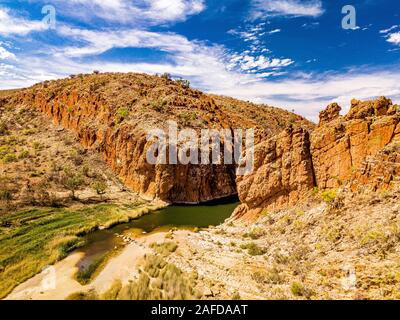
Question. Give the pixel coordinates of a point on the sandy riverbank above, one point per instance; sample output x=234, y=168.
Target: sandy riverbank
x=58, y=281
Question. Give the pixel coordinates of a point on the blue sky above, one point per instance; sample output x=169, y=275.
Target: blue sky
x=287, y=53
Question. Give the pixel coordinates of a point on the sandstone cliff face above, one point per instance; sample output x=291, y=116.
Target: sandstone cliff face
x=283, y=173
x=361, y=147
x=360, y=150
x=111, y=113
x=125, y=149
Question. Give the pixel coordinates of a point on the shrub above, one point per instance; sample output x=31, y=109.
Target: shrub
x=236, y=296
x=72, y=182
x=188, y=117
x=159, y=105
x=184, y=83
x=300, y=290
x=329, y=195
x=10, y=157
x=4, y=150
x=3, y=128
x=100, y=187
x=253, y=249
x=23, y=155
x=166, y=76
x=90, y=295
x=6, y=195
x=254, y=234
x=122, y=113
x=272, y=276
x=112, y=293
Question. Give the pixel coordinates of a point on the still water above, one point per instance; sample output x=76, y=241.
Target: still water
x=101, y=242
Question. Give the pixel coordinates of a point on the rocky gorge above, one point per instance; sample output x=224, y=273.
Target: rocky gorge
x=110, y=114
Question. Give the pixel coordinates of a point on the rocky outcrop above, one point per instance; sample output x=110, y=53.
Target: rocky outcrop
x=360, y=150
x=332, y=112
x=283, y=173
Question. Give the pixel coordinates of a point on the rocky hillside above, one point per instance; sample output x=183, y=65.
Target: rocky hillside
x=44, y=165
x=111, y=113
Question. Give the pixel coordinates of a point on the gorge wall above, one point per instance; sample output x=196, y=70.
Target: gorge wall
x=361, y=150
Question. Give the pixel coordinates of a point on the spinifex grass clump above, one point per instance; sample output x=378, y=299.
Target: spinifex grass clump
x=158, y=280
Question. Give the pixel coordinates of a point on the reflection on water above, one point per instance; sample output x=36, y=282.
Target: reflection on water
x=101, y=242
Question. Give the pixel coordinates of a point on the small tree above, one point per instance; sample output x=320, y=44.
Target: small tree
x=166, y=76
x=72, y=182
x=100, y=187
x=184, y=83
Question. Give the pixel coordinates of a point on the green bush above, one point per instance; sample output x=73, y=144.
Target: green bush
x=123, y=112
x=5, y=149
x=6, y=195
x=254, y=234
x=300, y=290
x=23, y=155
x=253, y=249
x=329, y=195
x=159, y=105
x=100, y=187
x=10, y=157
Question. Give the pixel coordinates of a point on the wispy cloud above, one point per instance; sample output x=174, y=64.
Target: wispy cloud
x=305, y=8
x=91, y=42
x=389, y=29
x=14, y=25
x=392, y=37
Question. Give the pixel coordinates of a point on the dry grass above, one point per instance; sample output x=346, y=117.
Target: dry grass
x=158, y=280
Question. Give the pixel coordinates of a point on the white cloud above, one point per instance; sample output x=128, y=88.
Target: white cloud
x=391, y=37
x=12, y=25
x=150, y=12
x=97, y=42
x=394, y=38
x=247, y=62
x=5, y=54
x=305, y=8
